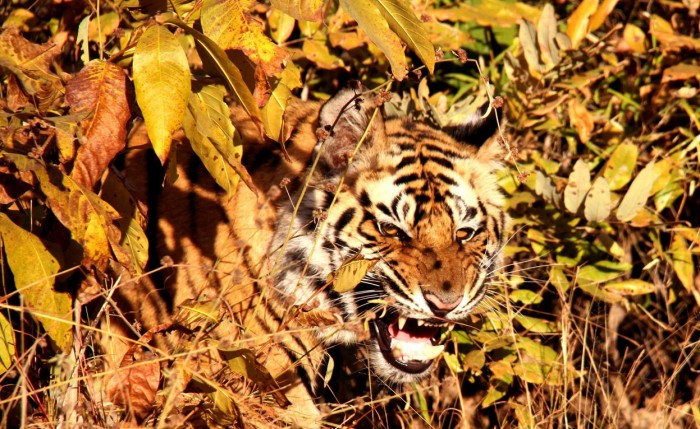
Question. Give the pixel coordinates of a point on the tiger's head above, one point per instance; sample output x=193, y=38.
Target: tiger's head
x=423, y=203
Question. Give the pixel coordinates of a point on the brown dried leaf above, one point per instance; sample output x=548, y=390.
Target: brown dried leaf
x=581, y=119
x=100, y=89
x=681, y=72
x=135, y=383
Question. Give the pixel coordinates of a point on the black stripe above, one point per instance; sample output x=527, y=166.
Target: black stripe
x=384, y=209
x=345, y=218
x=407, y=160
x=395, y=207
x=402, y=180
x=446, y=179
x=364, y=199
x=444, y=162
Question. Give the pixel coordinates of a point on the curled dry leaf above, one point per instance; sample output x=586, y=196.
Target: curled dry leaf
x=135, y=383
x=581, y=119
x=31, y=65
x=230, y=24
x=100, y=89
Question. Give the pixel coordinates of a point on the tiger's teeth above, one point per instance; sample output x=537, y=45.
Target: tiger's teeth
x=450, y=327
x=432, y=352
x=420, y=322
x=402, y=322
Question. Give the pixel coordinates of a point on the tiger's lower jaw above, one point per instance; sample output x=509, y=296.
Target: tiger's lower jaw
x=404, y=349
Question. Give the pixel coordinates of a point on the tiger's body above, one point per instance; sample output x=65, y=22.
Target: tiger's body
x=420, y=202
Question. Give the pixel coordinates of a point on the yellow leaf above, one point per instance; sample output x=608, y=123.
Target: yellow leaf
x=303, y=10
x=601, y=14
x=281, y=25
x=7, y=345
x=635, y=39
x=597, y=205
x=131, y=222
x=231, y=26
x=630, y=287
x=578, y=23
x=351, y=273
x=212, y=135
x=231, y=74
x=34, y=271
x=619, y=168
x=273, y=113
x=578, y=186
x=162, y=80
x=581, y=119
x=637, y=194
x=317, y=52
x=409, y=28
x=682, y=261
x=370, y=19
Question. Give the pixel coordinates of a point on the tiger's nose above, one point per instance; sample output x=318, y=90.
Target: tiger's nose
x=441, y=304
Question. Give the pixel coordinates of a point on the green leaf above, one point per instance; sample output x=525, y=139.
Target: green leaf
x=637, y=194
x=578, y=186
x=597, y=204
x=409, y=28
x=161, y=76
x=525, y=297
x=34, y=270
x=620, y=166
x=602, y=271
x=534, y=324
x=7, y=344
x=303, y=10
x=368, y=17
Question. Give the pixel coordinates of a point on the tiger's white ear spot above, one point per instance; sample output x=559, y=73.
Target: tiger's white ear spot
x=343, y=120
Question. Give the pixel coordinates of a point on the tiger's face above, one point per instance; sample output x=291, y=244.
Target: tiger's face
x=422, y=204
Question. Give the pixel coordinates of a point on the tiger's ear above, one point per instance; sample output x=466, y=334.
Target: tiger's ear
x=478, y=129
x=343, y=120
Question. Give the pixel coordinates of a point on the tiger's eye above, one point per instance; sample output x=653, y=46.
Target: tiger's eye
x=390, y=230
x=465, y=234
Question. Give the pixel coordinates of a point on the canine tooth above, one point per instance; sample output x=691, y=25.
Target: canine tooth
x=431, y=352
x=450, y=327
x=402, y=322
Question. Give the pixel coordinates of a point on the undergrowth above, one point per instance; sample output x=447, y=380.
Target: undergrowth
x=593, y=321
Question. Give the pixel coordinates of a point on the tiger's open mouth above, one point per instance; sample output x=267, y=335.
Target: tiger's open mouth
x=410, y=345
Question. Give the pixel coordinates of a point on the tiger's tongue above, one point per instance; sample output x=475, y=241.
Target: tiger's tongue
x=413, y=343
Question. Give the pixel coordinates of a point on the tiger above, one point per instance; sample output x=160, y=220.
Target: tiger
x=422, y=204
